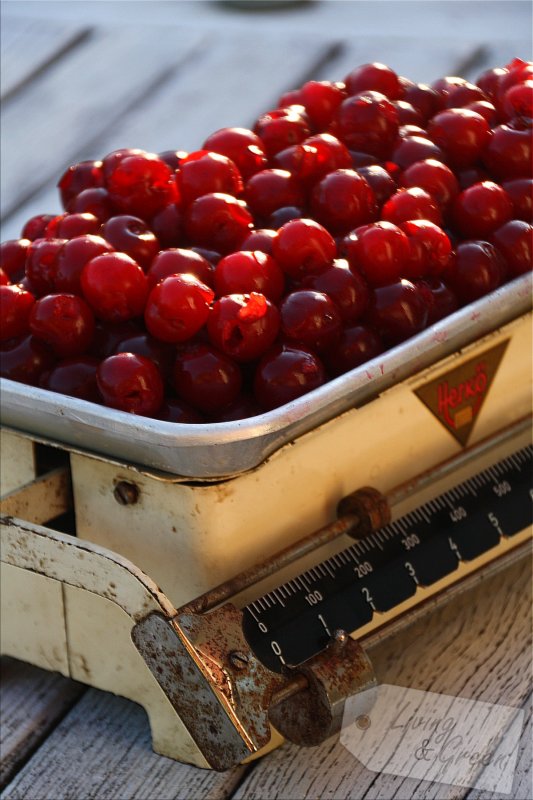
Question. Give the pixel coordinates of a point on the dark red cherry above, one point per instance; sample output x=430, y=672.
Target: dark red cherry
x=206, y=378
x=368, y=122
x=374, y=76
x=474, y=271
x=75, y=377
x=508, y=153
x=143, y=344
x=398, y=312
x=259, y=239
x=520, y=191
x=36, y=226
x=132, y=236
x=286, y=373
x=380, y=181
x=379, y=251
x=271, y=189
x=461, y=134
x=514, y=240
x=429, y=249
x=311, y=319
x=92, y=201
x=303, y=247
x=72, y=258
x=68, y=226
x=343, y=200
x=15, y=308
x=13, y=254
x=439, y=298
x=218, y=222
x=65, y=322
x=415, y=148
x=177, y=261
x=77, y=178
x=413, y=203
x=357, y=344
x=25, y=359
x=115, y=287
x=204, y=172
x=480, y=209
x=435, y=178
x=281, y=128
x=345, y=287
x=167, y=226
x=177, y=307
x=174, y=410
x=130, y=383
x=41, y=264
x=141, y=185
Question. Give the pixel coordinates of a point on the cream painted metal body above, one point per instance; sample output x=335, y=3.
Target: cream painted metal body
x=69, y=604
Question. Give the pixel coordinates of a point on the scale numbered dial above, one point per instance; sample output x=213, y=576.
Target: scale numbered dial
x=379, y=573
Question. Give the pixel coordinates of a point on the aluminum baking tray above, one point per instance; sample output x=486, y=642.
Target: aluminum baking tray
x=220, y=450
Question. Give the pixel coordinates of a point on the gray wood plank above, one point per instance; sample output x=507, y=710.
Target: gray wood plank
x=49, y=123
x=230, y=81
x=102, y=750
x=32, y=701
x=476, y=647
x=28, y=46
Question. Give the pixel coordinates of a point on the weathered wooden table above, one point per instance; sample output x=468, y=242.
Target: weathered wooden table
x=80, y=79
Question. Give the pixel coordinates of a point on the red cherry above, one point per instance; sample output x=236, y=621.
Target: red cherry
x=281, y=128
x=489, y=81
x=15, y=308
x=303, y=247
x=92, y=201
x=218, y=221
x=68, y=226
x=167, y=226
x=71, y=259
x=205, y=172
x=4, y=278
x=177, y=307
x=375, y=76
x=132, y=236
x=77, y=178
x=259, y=239
x=514, y=240
x=398, y=312
x=425, y=99
x=13, y=254
x=320, y=100
x=113, y=159
x=475, y=270
x=435, y=178
x=41, y=264
x=75, y=377
x=282, y=215
x=408, y=114
x=173, y=158
x=115, y=287
x=508, y=153
x=520, y=191
x=271, y=189
x=345, y=287
x=206, y=379
x=177, y=261
x=518, y=100
x=368, y=122
x=380, y=251
x=464, y=94
x=342, y=201
x=130, y=383
x=286, y=373
x=242, y=146
x=63, y=321
x=413, y=203
x=461, y=134
x=311, y=319
x=357, y=345
x=415, y=148
x=25, y=360
x=36, y=226
x=143, y=344
x=141, y=185
x=480, y=209
x=429, y=247
x=487, y=110
x=249, y=271
x=379, y=180
x=243, y=326
x=439, y=298
x=331, y=153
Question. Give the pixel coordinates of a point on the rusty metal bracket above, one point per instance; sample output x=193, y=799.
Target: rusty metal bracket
x=227, y=698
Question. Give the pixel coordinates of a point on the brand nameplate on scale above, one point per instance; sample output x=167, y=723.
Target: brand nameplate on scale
x=456, y=397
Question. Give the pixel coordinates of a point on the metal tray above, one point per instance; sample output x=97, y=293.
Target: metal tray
x=220, y=450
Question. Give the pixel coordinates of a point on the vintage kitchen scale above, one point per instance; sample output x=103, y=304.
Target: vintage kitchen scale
x=212, y=573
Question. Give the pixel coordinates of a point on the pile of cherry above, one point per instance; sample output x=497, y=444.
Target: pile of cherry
x=215, y=285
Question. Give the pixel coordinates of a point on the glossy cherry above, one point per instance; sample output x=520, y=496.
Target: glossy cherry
x=311, y=319
x=243, y=326
x=281, y=128
x=474, y=271
x=435, y=178
x=141, y=185
x=368, y=122
x=514, y=240
x=75, y=377
x=63, y=321
x=429, y=249
x=358, y=344
x=520, y=191
x=132, y=383
x=242, y=146
x=206, y=378
x=379, y=251
x=177, y=307
x=77, y=178
x=345, y=286
x=204, y=172
x=72, y=258
x=286, y=373
x=249, y=271
x=271, y=189
x=132, y=236
x=303, y=247
x=25, y=359
x=376, y=76
x=13, y=254
x=461, y=134
x=176, y=261
x=15, y=309
x=398, y=312
x=412, y=203
x=218, y=222
x=480, y=209
x=41, y=264
x=343, y=200
x=36, y=226
x=115, y=287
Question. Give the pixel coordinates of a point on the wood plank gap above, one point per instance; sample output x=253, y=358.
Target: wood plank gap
x=71, y=44
x=160, y=80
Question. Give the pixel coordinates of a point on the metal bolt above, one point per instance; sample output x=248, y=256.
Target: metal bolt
x=340, y=637
x=238, y=660
x=126, y=493
x=363, y=722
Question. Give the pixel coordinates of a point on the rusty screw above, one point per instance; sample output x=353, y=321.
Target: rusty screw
x=126, y=493
x=238, y=660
